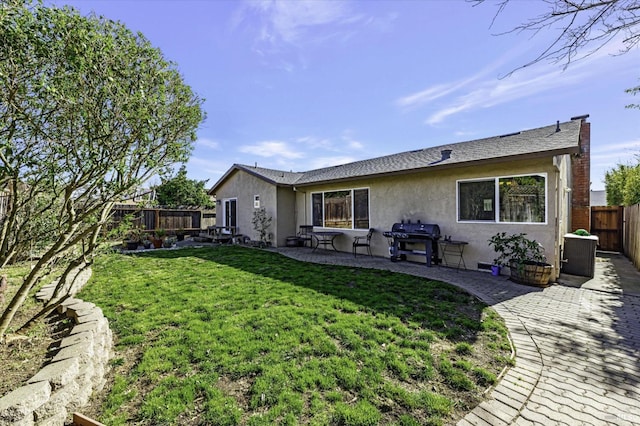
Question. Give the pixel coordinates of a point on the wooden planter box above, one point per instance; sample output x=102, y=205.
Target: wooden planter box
x=531, y=273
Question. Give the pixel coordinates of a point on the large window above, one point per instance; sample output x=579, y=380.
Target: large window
x=509, y=199
x=476, y=200
x=347, y=209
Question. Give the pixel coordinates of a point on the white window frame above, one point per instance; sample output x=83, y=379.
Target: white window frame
x=353, y=220
x=496, y=181
x=224, y=213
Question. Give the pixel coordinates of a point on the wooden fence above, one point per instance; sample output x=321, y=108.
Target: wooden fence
x=171, y=220
x=607, y=225
x=189, y=220
x=632, y=233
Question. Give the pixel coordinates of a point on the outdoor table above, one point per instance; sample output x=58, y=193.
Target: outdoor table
x=222, y=234
x=454, y=250
x=325, y=238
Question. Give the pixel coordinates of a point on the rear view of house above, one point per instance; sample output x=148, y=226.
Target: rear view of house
x=534, y=181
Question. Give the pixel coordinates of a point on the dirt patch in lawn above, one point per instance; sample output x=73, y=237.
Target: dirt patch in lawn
x=24, y=355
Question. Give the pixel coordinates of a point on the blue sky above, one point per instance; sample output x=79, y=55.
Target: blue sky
x=297, y=85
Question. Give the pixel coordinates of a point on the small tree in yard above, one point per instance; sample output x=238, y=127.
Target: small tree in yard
x=623, y=185
x=179, y=191
x=261, y=223
x=88, y=111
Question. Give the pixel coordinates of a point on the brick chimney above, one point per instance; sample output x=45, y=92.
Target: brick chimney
x=581, y=179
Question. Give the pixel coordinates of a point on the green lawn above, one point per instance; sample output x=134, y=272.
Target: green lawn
x=231, y=335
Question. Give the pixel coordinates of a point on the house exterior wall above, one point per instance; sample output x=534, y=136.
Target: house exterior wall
x=285, y=221
x=431, y=197
x=244, y=186
x=278, y=202
x=563, y=200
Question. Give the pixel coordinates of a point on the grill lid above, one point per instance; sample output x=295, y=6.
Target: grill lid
x=406, y=230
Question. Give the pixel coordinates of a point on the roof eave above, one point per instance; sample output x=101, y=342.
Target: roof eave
x=238, y=167
x=488, y=161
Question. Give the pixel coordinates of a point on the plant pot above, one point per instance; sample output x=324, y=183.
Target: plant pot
x=180, y=237
x=132, y=245
x=495, y=270
x=157, y=243
x=531, y=273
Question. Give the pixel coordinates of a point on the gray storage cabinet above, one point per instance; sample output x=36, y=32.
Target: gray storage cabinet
x=579, y=255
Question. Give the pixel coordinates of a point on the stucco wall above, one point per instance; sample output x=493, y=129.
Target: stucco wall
x=563, y=201
x=431, y=198
x=285, y=222
x=243, y=187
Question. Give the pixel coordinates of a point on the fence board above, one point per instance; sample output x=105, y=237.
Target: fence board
x=170, y=220
x=632, y=234
x=606, y=223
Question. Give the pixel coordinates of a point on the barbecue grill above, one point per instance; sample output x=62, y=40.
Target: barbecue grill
x=404, y=237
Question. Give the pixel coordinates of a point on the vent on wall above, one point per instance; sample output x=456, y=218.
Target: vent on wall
x=484, y=267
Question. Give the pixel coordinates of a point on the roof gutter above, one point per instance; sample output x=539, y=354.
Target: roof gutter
x=446, y=166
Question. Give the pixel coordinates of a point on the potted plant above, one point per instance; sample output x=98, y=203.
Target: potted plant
x=134, y=238
x=160, y=234
x=524, y=257
x=180, y=233
x=146, y=243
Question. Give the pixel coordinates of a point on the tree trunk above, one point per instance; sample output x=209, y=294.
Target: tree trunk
x=40, y=314
x=18, y=300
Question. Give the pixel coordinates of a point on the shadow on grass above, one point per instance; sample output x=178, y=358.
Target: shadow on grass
x=280, y=333
x=436, y=305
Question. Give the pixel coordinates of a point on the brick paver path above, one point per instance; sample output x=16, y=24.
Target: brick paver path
x=577, y=343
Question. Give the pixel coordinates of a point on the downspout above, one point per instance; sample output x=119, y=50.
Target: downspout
x=556, y=230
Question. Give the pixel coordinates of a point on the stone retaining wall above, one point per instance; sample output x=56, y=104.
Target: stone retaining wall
x=75, y=372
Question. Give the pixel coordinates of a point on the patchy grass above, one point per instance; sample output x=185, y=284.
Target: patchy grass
x=23, y=355
x=230, y=335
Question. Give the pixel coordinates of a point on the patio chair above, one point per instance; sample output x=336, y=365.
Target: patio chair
x=305, y=235
x=363, y=241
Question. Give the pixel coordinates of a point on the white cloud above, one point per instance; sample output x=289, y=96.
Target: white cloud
x=306, y=152
x=290, y=21
x=205, y=169
x=271, y=149
x=284, y=30
x=346, y=143
x=355, y=145
x=208, y=143
x=464, y=133
x=611, y=159
x=312, y=142
x=608, y=149
x=484, y=90
x=320, y=162
x=426, y=95
x=351, y=143
x=439, y=90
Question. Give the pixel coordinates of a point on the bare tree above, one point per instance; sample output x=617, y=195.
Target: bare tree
x=585, y=26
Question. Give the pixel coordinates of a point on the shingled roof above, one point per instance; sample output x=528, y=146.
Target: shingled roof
x=274, y=177
x=560, y=138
